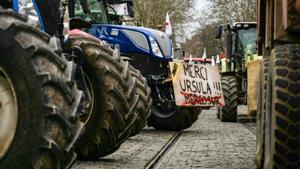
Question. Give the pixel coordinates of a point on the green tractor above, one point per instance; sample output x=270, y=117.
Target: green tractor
x=55, y=82
x=240, y=50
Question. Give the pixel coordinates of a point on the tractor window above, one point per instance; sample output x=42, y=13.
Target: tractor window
x=246, y=40
x=91, y=11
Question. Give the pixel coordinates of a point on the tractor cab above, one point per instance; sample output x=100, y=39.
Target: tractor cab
x=240, y=46
x=91, y=11
x=244, y=37
x=244, y=43
x=137, y=44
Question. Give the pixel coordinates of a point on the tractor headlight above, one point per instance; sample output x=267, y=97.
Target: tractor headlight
x=155, y=48
x=26, y=7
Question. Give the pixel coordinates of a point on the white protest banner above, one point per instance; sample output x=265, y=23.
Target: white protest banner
x=196, y=84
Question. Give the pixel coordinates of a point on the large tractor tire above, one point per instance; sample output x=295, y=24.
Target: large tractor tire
x=177, y=120
x=229, y=111
x=282, y=149
x=143, y=109
x=38, y=100
x=260, y=116
x=113, y=101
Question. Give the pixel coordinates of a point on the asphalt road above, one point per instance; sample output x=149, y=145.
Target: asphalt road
x=208, y=144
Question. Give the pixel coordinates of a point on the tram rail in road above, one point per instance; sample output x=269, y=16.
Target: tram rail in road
x=156, y=162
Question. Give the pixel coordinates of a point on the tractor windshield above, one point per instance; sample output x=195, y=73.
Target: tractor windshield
x=91, y=11
x=246, y=41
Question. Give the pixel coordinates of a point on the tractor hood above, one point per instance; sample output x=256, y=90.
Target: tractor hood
x=132, y=39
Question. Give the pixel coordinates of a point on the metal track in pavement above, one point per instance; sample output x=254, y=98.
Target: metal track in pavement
x=156, y=162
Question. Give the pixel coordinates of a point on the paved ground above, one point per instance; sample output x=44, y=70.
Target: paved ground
x=208, y=144
x=135, y=153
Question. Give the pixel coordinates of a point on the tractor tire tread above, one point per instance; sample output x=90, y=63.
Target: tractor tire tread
x=61, y=96
x=229, y=111
x=143, y=110
x=286, y=108
x=117, y=116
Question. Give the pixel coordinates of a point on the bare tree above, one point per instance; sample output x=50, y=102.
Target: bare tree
x=229, y=11
x=153, y=13
x=219, y=13
x=204, y=38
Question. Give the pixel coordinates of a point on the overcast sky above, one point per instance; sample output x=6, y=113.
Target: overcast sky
x=200, y=4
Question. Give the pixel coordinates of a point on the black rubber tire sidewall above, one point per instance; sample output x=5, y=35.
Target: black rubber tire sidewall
x=29, y=99
x=182, y=119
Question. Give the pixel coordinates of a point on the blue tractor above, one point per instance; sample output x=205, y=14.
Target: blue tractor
x=148, y=50
x=54, y=82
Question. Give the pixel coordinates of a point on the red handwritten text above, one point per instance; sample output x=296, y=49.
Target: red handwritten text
x=193, y=99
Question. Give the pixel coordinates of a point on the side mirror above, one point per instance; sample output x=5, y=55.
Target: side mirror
x=219, y=32
x=130, y=9
x=131, y=13
x=183, y=53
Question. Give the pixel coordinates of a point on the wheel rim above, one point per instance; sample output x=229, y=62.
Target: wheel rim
x=8, y=113
x=164, y=110
x=90, y=93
